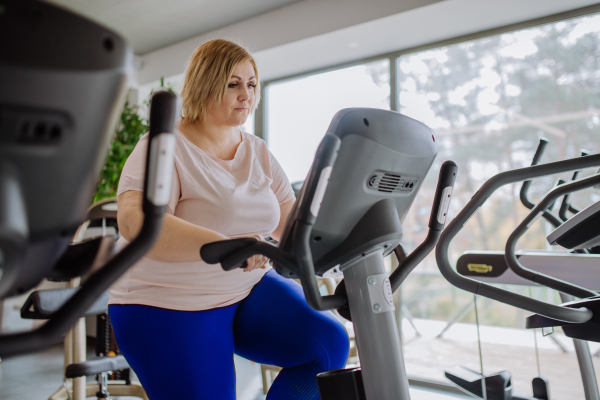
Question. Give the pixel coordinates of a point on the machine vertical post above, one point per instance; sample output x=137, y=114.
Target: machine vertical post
x=377, y=338
x=586, y=365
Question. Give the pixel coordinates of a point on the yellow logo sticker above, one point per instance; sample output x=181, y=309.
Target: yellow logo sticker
x=479, y=268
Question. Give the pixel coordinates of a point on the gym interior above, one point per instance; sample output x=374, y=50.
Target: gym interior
x=500, y=231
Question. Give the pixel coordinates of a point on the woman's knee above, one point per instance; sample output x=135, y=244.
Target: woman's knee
x=334, y=343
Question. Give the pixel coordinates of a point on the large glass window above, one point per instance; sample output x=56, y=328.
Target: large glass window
x=489, y=101
x=299, y=111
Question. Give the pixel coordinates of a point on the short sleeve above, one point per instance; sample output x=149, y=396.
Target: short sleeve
x=281, y=185
x=132, y=176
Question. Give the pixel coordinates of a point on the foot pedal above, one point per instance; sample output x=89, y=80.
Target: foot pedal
x=498, y=386
x=541, y=388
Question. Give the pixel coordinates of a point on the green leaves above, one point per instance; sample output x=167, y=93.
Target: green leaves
x=127, y=133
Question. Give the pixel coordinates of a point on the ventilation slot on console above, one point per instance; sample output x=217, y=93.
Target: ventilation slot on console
x=40, y=133
x=387, y=182
x=31, y=126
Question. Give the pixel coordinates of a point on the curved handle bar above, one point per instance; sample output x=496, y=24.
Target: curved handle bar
x=247, y=247
x=523, y=195
x=213, y=253
x=566, y=205
x=538, y=277
x=159, y=158
x=314, y=186
x=234, y=253
x=535, y=161
x=486, y=290
x=437, y=219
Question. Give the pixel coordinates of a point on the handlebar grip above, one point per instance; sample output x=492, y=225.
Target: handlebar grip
x=539, y=151
x=536, y=159
x=160, y=153
x=316, y=183
x=163, y=109
x=443, y=193
x=217, y=252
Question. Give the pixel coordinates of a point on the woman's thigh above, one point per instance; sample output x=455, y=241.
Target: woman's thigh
x=274, y=325
x=177, y=354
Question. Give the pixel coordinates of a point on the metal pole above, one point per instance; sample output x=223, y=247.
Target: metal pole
x=377, y=338
x=461, y=314
x=409, y=317
x=586, y=366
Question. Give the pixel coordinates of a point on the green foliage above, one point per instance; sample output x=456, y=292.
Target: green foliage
x=129, y=130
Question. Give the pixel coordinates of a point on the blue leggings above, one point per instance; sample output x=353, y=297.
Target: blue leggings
x=189, y=355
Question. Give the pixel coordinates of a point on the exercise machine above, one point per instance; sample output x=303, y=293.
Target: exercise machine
x=348, y=215
x=109, y=367
x=63, y=81
x=512, y=266
x=491, y=267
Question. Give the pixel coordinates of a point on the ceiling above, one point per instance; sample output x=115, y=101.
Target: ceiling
x=299, y=47
x=149, y=25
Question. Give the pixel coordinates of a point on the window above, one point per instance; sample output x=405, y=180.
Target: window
x=489, y=100
x=299, y=111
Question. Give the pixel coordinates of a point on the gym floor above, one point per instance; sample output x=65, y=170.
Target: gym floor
x=37, y=376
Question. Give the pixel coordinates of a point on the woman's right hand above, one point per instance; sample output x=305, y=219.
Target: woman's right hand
x=258, y=260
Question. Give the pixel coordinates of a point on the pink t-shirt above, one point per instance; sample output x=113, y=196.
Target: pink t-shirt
x=236, y=197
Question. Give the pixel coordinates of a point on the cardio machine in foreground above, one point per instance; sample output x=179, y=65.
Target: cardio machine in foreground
x=63, y=79
x=348, y=215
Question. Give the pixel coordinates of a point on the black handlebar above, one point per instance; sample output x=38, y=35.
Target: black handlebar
x=566, y=205
x=535, y=161
x=437, y=221
x=523, y=195
x=313, y=188
x=535, y=213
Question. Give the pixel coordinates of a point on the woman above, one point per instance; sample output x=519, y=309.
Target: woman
x=178, y=320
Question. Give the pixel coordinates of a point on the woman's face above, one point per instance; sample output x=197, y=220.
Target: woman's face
x=238, y=98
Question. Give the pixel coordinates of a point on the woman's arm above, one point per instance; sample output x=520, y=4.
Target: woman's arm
x=179, y=240
x=286, y=208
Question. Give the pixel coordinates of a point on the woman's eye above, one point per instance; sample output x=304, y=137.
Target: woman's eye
x=232, y=85
x=252, y=85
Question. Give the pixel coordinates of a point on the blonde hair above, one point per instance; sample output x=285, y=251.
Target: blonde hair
x=207, y=76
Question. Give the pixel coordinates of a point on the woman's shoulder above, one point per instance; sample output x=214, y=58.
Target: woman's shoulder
x=258, y=145
x=255, y=140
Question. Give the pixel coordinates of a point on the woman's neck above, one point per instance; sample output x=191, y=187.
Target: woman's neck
x=218, y=141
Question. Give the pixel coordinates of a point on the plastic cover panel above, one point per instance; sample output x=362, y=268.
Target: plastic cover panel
x=390, y=142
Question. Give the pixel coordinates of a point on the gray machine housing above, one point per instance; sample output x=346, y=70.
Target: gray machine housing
x=396, y=152
x=61, y=75
x=580, y=231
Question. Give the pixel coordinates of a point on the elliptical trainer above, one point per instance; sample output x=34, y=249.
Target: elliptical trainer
x=365, y=176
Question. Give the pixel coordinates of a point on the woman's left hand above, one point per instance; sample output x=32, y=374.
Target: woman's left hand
x=258, y=260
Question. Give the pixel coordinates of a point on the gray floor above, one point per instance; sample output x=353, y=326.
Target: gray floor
x=33, y=376
x=37, y=376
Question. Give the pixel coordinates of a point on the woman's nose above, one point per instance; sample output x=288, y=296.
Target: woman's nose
x=244, y=94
